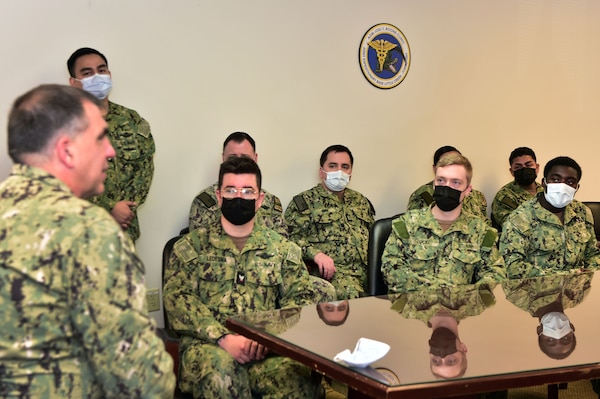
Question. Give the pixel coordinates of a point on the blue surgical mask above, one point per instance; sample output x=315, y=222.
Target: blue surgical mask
x=98, y=85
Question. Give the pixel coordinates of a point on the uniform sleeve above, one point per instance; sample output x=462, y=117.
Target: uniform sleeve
x=277, y=217
x=514, y=247
x=204, y=210
x=592, y=252
x=395, y=266
x=300, y=227
x=296, y=287
x=188, y=315
x=492, y=269
x=500, y=209
x=141, y=170
x=108, y=311
x=416, y=201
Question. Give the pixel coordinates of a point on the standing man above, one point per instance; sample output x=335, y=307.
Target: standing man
x=422, y=197
x=442, y=246
x=228, y=268
x=205, y=210
x=75, y=323
x=130, y=172
x=552, y=233
x=331, y=224
x=524, y=168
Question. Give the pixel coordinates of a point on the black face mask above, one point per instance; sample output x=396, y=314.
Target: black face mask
x=446, y=198
x=525, y=176
x=442, y=342
x=238, y=211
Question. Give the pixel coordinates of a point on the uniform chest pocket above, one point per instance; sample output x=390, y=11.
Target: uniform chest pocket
x=466, y=253
x=264, y=274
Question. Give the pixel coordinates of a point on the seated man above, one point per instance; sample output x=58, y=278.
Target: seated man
x=524, y=168
x=552, y=233
x=441, y=245
x=204, y=209
x=422, y=197
x=331, y=223
x=228, y=268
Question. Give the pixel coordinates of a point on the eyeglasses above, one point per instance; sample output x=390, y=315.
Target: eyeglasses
x=245, y=192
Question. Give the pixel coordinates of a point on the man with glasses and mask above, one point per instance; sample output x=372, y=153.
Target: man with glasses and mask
x=130, y=172
x=441, y=245
x=233, y=267
x=552, y=233
x=331, y=223
x=524, y=168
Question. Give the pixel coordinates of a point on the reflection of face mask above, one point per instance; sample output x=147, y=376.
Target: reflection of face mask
x=446, y=198
x=525, y=176
x=337, y=181
x=98, y=85
x=559, y=195
x=238, y=211
x=555, y=325
x=442, y=342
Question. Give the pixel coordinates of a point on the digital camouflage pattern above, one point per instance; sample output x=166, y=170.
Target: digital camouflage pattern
x=129, y=174
x=72, y=299
x=508, y=198
x=208, y=280
x=534, y=242
x=319, y=222
x=460, y=302
x=420, y=254
x=535, y=294
x=474, y=203
x=205, y=211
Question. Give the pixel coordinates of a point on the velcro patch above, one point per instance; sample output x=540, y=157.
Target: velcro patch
x=184, y=250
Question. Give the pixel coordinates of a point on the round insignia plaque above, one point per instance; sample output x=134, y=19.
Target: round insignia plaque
x=384, y=56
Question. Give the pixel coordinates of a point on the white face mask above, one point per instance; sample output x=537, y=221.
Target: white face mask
x=337, y=181
x=98, y=85
x=559, y=195
x=555, y=325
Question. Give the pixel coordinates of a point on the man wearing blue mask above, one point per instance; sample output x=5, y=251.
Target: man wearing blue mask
x=552, y=233
x=331, y=223
x=130, y=172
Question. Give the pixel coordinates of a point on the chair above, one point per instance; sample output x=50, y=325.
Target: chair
x=170, y=337
x=595, y=208
x=380, y=231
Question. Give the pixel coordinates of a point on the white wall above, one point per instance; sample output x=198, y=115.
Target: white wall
x=486, y=77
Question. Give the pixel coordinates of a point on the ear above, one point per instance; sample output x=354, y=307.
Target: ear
x=64, y=151
x=259, y=200
x=511, y=172
x=219, y=198
x=322, y=174
x=74, y=82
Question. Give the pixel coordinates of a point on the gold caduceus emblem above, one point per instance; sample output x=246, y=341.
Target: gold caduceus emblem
x=382, y=47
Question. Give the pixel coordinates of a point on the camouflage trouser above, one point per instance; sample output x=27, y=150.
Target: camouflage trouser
x=347, y=286
x=210, y=372
x=324, y=289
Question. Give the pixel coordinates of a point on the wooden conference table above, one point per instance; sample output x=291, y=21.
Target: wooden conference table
x=499, y=328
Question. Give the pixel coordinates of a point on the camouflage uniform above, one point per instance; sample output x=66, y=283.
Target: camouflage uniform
x=319, y=222
x=534, y=242
x=129, y=174
x=474, y=203
x=205, y=211
x=72, y=299
x=460, y=302
x=208, y=280
x=507, y=199
x=419, y=253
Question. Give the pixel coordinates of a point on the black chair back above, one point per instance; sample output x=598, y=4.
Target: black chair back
x=380, y=231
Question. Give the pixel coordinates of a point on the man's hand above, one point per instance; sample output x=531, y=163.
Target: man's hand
x=123, y=213
x=326, y=266
x=242, y=349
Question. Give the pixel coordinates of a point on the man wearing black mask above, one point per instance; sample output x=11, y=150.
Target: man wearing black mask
x=233, y=267
x=524, y=168
x=441, y=245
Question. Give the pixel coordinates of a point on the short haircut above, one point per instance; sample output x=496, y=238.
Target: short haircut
x=335, y=148
x=80, y=53
x=562, y=161
x=519, y=152
x=240, y=166
x=239, y=137
x=457, y=159
x=441, y=151
x=41, y=114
